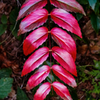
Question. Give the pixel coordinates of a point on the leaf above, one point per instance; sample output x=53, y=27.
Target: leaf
x=66, y=21
x=5, y=72
x=79, y=16
x=2, y=28
x=33, y=20
x=35, y=39
x=97, y=64
x=4, y=19
x=68, y=5
x=36, y=59
x=38, y=77
x=92, y=3
x=64, y=75
x=65, y=59
x=5, y=87
x=43, y=91
x=30, y=6
x=13, y=15
x=83, y=2
x=21, y=95
x=61, y=90
x=95, y=21
x=64, y=40
x=15, y=31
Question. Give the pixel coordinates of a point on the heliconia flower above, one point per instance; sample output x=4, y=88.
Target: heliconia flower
x=68, y=5
x=61, y=90
x=36, y=59
x=43, y=91
x=64, y=75
x=64, y=40
x=35, y=39
x=65, y=59
x=33, y=20
x=38, y=77
x=30, y=6
x=66, y=21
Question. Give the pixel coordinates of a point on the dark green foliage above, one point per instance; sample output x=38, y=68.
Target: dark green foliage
x=4, y=19
x=3, y=25
x=5, y=87
x=5, y=82
x=21, y=95
x=6, y=72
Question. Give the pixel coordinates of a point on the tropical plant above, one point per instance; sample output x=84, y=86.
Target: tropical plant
x=65, y=53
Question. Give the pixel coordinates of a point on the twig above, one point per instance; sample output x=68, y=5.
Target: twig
x=10, y=34
x=18, y=3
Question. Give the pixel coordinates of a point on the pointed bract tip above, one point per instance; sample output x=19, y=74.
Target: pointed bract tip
x=28, y=87
x=19, y=32
x=22, y=74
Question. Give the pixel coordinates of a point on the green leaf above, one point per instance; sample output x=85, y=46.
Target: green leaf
x=95, y=21
x=97, y=64
x=92, y=3
x=4, y=19
x=96, y=10
x=5, y=87
x=15, y=31
x=98, y=22
x=13, y=15
x=83, y=1
x=88, y=96
x=5, y=72
x=21, y=95
x=79, y=16
x=2, y=28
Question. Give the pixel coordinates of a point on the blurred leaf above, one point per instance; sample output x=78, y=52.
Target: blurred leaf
x=95, y=22
x=94, y=72
x=89, y=97
x=5, y=87
x=92, y=3
x=4, y=19
x=98, y=22
x=2, y=28
x=83, y=1
x=21, y=95
x=79, y=16
x=97, y=7
x=13, y=15
x=15, y=31
x=6, y=72
x=96, y=89
x=97, y=64
x=73, y=93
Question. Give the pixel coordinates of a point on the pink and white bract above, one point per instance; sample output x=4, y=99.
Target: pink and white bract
x=35, y=39
x=33, y=20
x=65, y=53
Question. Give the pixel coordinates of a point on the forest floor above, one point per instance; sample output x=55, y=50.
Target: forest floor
x=11, y=56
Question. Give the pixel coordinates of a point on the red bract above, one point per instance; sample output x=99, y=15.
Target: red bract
x=38, y=77
x=36, y=59
x=33, y=20
x=65, y=59
x=43, y=91
x=61, y=90
x=66, y=21
x=65, y=54
x=68, y=5
x=64, y=75
x=64, y=40
x=30, y=6
x=35, y=39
